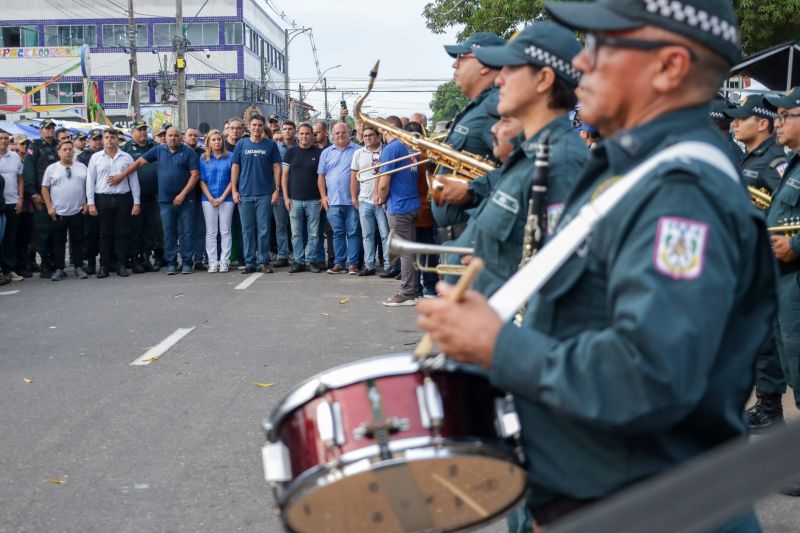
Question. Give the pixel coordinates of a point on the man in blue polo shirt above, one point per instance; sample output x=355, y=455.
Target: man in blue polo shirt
x=334, y=189
x=399, y=194
x=178, y=169
x=255, y=179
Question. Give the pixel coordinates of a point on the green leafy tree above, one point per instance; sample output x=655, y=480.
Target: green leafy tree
x=764, y=23
x=447, y=101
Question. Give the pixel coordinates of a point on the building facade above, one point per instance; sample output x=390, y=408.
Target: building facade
x=235, y=53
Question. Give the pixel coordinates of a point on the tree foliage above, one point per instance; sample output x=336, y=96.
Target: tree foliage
x=447, y=101
x=764, y=23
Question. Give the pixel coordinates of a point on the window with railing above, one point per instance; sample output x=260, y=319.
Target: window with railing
x=115, y=35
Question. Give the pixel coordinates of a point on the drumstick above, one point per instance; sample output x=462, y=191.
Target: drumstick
x=475, y=266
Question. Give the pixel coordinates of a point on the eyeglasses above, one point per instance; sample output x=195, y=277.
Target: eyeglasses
x=783, y=117
x=462, y=57
x=594, y=42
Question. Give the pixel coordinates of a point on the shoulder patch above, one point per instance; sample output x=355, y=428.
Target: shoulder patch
x=506, y=201
x=463, y=130
x=553, y=215
x=680, y=247
x=780, y=167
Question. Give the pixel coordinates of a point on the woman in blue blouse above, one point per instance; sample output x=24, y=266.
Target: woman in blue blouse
x=215, y=183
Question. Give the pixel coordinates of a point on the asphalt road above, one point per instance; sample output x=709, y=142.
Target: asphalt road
x=93, y=444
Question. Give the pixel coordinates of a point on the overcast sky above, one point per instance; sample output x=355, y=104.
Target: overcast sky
x=356, y=33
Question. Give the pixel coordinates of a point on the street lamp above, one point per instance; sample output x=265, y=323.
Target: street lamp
x=321, y=76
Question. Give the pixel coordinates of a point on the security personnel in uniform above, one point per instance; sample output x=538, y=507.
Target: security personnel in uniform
x=91, y=234
x=41, y=153
x=718, y=115
x=144, y=227
x=540, y=96
x=624, y=367
x=786, y=204
x=469, y=131
x=762, y=167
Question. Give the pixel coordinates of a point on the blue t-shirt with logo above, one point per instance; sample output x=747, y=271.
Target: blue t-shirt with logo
x=255, y=160
x=403, y=192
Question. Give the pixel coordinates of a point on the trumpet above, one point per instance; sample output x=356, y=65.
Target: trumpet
x=760, y=197
x=787, y=226
x=399, y=247
x=375, y=175
x=465, y=166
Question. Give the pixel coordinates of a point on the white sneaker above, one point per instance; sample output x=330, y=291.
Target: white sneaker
x=223, y=266
x=15, y=277
x=212, y=267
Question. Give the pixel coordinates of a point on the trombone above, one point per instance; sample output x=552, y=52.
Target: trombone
x=375, y=175
x=760, y=197
x=399, y=247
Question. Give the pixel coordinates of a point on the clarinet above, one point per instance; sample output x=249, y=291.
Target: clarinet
x=536, y=224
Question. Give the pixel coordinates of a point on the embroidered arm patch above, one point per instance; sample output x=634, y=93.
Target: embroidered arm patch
x=680, y=247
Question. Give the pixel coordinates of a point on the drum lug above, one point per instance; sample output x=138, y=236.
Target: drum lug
x=277, y=467
x=329, y=423
x=432, y=403
x=507, y=420
x=391, y=425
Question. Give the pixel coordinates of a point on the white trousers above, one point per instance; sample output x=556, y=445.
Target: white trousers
x=218, y=220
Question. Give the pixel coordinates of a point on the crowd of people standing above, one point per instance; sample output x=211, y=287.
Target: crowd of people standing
x=259, y=195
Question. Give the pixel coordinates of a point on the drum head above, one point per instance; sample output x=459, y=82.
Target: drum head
x=438, y=494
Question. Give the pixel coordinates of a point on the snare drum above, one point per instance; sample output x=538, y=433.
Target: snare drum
x=391, y=444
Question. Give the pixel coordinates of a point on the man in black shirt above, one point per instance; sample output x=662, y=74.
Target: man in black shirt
x=301, y=196
x=91, y=227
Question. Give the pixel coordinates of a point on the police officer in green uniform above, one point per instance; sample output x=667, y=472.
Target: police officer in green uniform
x=537, y=86
x=144, y=227
x=718, y=115
x=762, y=167
x=91, y=228
x=469, y=131
x=786, y=204
x=625, y=367
x=42, y=153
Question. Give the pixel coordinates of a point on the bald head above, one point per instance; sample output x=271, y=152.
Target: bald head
x=173, y=137
x=341, y=135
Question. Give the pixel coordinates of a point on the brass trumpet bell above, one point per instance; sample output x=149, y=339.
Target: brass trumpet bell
x=760, y=197
x=399, y=247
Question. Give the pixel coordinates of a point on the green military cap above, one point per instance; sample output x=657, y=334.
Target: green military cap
x=94, y=133
x=47, y=123
x=544, y=44
x=478, y=40
x=719, y=110
x=273, y=118
x=138, y=124
x=80, y=136
x=789, y=100
x=753, y=105
x=709, y=22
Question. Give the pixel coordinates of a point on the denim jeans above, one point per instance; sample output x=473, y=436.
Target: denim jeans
x=373, y=217
x=171, y=218
x=281, y=228
x=346, y=242
x=305, y=215
x=255, y=213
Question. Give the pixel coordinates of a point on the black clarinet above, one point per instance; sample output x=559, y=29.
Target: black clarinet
x=536, y=224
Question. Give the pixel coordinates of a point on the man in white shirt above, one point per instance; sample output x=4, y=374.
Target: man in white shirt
x=113, y=199
x=364, y=196
x=11, y=174
x=64, y=194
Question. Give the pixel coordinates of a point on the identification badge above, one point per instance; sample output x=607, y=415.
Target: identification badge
x=750, y=173
x=463, y=130
x=680, y=247
x=506, y=201
x=793, y=183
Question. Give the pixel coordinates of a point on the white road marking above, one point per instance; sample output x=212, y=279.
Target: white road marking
x=159, y=349
x=249, y=281
x=7, y=293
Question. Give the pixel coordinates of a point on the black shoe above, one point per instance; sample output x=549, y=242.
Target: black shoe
x=148, y=266
x=249, y=270
x=102, y=272
x=766, y=414
x=296, y=267
x=91, y=267
x=45, y=274
x=157, y=263
x=138, y=266
x=280, y=263
x=122, y=271
x=313, y=268
x=200, y=266
x=366, y=272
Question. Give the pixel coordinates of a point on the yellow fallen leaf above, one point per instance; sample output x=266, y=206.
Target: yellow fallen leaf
x=324, y=314
x=27, y=380
x=57, y=481
x=263, y=385
x=345, y=300
x=152, y=358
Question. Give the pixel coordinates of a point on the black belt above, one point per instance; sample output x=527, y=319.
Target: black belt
x=449, y=233
x=555, y=509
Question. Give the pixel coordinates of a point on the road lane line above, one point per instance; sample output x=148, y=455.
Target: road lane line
x=249, y=281
x=159, y=349
x=7, y=293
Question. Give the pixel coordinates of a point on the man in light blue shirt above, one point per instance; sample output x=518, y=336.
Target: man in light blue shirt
x=334, y=190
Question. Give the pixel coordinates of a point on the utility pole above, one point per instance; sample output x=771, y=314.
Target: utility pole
x=325, y=91
x=287, y=109
x=300, y=114
x=180, y=66
x=137, y=111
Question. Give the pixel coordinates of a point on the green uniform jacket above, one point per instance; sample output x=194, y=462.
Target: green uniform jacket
x=639, y=353
x=40, y=155
x=764, y=166
x=786, y=199
x=500, y=221
x=470, y=132
x=148, y=179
